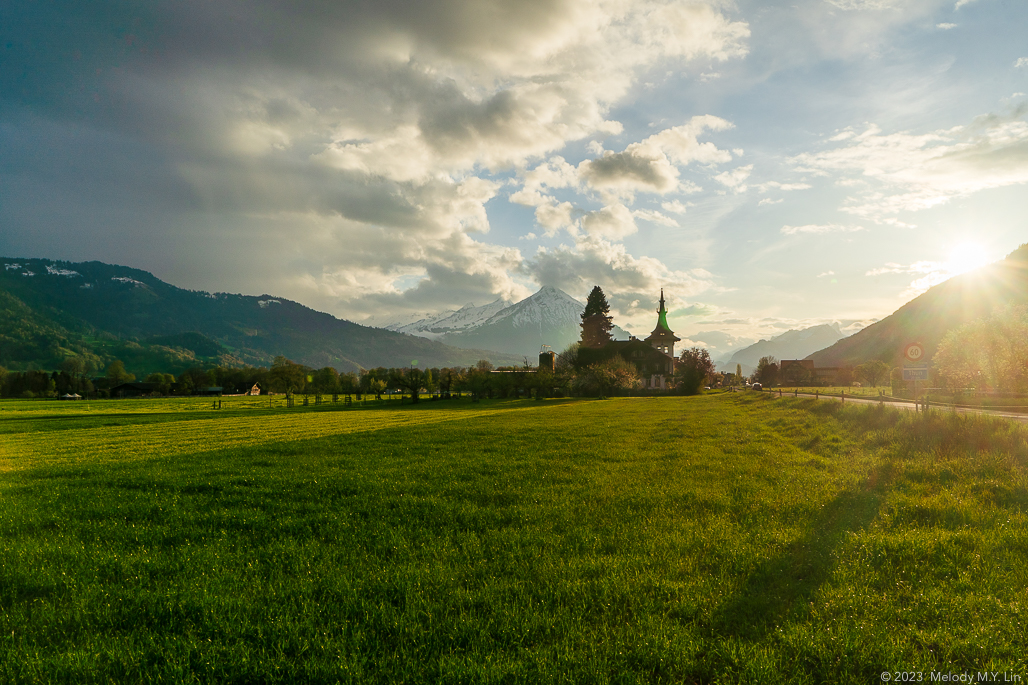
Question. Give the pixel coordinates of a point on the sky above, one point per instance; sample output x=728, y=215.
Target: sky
x=770, y=166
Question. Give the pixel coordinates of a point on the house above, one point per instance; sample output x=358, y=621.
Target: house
x=135, y=389
x=255, y=390
x=827, y=375
x=803, y=372
x=796, y=371
x=653, y=358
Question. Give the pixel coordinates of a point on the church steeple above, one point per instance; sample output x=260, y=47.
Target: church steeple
x=662, y=315
x=662, y=338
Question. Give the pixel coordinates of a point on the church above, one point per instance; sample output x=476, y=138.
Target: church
x=653, y=358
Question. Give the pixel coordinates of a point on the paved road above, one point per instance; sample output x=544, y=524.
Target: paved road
x=910, y=406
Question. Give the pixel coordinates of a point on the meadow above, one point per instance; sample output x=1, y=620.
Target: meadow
x=724, y=538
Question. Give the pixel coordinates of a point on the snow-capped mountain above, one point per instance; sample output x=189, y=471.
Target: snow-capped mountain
x=549, y=317
x=454, y=321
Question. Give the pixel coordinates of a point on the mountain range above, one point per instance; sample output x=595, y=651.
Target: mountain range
x=794, y=344
x=549, y=317
x=50, y=310
x=927, y=318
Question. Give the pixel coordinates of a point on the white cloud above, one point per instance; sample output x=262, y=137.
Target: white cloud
x=769, y=201
x=866, y=4
x=373, y=128
x=1021, y=62
x=934, y=273
x=655, y=217
x=961, y=3
x=675, y=207
x=775, y=185
x=945, y=27
x=632, y=283
x=735, y=178
x=820, y=228
x=826, y=273
x=614, y=221
x=651, y=165
x=912, y=171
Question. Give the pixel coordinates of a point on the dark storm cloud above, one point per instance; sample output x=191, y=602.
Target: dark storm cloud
x=332, y=143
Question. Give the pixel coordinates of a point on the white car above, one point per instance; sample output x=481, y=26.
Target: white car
x=757, y=386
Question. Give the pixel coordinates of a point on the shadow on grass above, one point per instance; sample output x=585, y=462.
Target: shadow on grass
x=781, y=589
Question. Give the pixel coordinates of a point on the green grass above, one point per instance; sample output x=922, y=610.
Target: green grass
x=723, y=538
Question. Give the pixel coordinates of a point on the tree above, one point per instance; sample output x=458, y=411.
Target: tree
x=326, y=381
x=73, y=366
x=410, y=379
x=694, y=367
x=287, y=376
x=767, y=371
x=596, y=320
x=738, y=374
x=609, y=376
x=163, y=382
x=116, y=373
x=873, y=372
x=480, y=379
x=992, y=351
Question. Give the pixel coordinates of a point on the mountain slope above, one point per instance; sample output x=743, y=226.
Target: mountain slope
x=549, y=317
x=794, y=344
x=56, y=304
x=464, y=319
x=927, y=318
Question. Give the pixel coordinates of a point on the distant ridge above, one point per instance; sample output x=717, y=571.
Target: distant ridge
x=927, y=318
x=795, y=344
x=549, y=317
x=50, y=310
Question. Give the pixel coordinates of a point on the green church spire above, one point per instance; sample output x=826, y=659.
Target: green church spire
x=662, y=314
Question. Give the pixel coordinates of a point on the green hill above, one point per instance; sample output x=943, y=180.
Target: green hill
x=50, y=310
x=927, y=318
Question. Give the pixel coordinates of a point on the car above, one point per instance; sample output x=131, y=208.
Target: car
x=757, y=386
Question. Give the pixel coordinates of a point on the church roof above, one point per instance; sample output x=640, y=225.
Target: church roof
x=662, y=329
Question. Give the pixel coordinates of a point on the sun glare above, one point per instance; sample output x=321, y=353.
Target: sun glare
x=966, y=257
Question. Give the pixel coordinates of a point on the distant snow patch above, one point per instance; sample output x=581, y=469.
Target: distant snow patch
x=130, y=281
x=54, y=271
x=8, y=267
x=28, y=273
x=264, y=303
x=86, y=286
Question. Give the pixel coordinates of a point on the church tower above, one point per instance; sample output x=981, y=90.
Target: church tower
x=662, y=338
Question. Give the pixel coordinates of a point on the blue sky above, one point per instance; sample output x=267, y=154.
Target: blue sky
x=771, y=166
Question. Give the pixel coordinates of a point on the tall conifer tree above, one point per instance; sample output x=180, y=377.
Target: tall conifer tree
x=596, y=320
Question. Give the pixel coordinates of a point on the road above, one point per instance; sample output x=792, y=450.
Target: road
x=911, y=406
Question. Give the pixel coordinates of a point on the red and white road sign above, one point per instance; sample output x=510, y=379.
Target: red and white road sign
x=914, y=352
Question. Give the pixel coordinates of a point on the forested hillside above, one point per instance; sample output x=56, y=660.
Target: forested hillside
x=51, y=310
x=928, y=318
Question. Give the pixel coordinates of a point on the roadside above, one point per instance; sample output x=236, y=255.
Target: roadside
x=904, y=404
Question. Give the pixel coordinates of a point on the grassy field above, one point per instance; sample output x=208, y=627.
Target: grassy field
x=729, y=538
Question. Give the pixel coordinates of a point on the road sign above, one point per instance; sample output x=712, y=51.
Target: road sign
x=915, y=365
x=915, y=374
x=914, y=352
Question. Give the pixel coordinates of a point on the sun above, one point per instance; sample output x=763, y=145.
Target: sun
x=966, y=256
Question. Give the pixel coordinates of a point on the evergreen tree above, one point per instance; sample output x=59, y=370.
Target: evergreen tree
x=596, y=320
